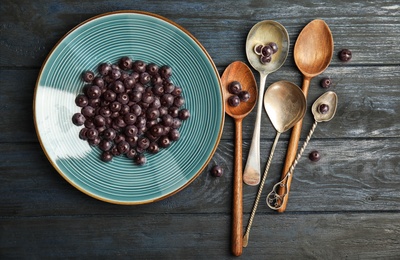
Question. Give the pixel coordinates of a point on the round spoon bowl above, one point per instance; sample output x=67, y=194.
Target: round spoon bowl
x=285, y=105
x=265, y=32
x=238, y=71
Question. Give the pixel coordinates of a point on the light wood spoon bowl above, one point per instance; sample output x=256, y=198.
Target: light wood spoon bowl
x=238, y=71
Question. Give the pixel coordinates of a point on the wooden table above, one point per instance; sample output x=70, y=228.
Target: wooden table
x=346, y=206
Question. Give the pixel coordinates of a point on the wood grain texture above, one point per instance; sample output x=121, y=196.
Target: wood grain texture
x=222, y=28
x=173, y=236
x=369, y=101
x=237, y=184
x=339, y=182
x=346, y=206
x=313, y=53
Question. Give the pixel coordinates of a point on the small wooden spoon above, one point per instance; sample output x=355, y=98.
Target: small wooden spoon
x=312, y=52
x=238, y=71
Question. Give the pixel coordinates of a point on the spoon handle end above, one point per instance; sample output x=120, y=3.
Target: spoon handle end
x=290, y=157
x=251, y=176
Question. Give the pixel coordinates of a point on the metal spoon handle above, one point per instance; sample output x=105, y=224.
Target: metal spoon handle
x=275, y=199
x=251, y=175
x=253, y=212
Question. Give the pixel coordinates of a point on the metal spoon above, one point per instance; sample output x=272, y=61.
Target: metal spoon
x=285, y=105
x=263, y=32
x=238, y=71
x=312, y=52
x=275, y=200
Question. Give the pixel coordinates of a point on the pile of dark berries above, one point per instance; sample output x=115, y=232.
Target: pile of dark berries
x=238, y=95
x=266, y=51
x=130, y=108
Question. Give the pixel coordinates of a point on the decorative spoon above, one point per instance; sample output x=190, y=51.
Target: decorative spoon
x=240, y=72
x=313, y=52
x=285, y=105
x=323, y=109
x=263, y=32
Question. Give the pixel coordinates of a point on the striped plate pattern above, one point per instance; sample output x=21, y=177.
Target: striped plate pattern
x=106, y=38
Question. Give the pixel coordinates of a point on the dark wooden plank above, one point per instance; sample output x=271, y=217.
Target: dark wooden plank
x=173, y=236
x=369, y=101
x=29, y=30
x=16, y=101
x=353, y=175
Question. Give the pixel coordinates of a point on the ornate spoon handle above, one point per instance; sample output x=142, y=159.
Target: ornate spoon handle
x=274, y=200
x=260, y=188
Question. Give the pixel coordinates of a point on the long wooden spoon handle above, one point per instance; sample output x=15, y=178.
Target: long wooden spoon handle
x=292, y=151
x=237, y=207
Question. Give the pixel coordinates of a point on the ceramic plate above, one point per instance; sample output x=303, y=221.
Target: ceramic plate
x=142, y=36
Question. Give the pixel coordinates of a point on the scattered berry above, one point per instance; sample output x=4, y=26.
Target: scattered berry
x=314, y=156
x=326, y=82
x=217, y=171
x=345, y=55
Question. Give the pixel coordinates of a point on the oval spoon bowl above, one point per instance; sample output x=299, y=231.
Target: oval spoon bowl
x=329, y=98
x=238, y=71
x=262, y=33
x=313, y=50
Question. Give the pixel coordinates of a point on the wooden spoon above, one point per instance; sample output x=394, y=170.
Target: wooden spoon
x=238, y=71
x=313, y=52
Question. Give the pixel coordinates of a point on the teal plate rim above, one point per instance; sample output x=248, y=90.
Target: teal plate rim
x=76, y=161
